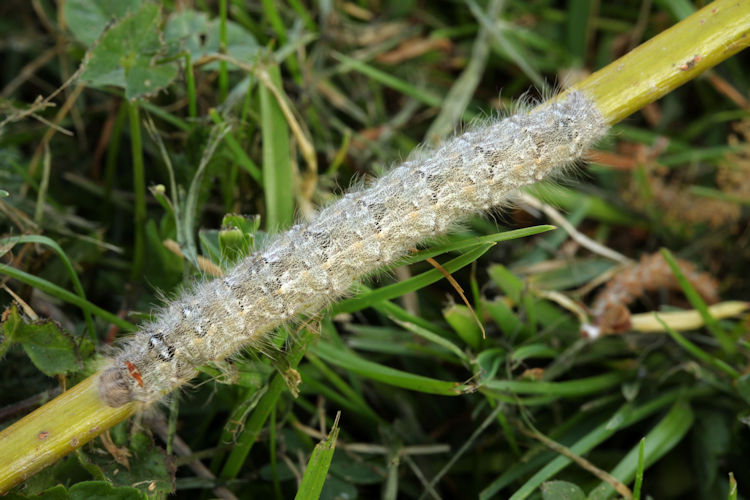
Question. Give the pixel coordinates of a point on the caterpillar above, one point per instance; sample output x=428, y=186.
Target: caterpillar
x=312, y=264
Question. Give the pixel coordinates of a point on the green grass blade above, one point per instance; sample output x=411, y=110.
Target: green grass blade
x=65, y=295
x=166, y=116
x=639, y=471
x=420, y=94
x=397, y=313
x=242, y=159
x=43, y=240
x=464, y=243
x=191, y=200
x=435, y=338
x=345, y=389
x=626, y=416
x=578, y=29
x=223, y=70
x=277, y=165
x=727, y=344
x=697, y=352
x=568, y=388
x=190, y=86
x=365, y=300
x=260, y=414
x=317, y=467
x=386, y=374
x=663, y=437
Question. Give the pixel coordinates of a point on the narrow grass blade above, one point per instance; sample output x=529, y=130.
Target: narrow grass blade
x=697, y=352
x=242, y=159
x=639, y=471
x=223, y=71
x=699, y=305
x=317, y=468
x=350, y=394
x=465, y=243
x=65, y=295
x=261, y=412
x=191, y=200
x=626, y=416
x=386, y=374
x=391, y=81
x=435, y=338
x=277, y=166
x=659, y=441
x=568, y=388
x=388, y=292
x=68, y=267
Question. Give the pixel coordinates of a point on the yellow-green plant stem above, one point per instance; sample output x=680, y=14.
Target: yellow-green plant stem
x=67, y=422
x=677, y=55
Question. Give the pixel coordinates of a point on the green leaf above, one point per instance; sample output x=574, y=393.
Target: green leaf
x=699, y=353
x=54, y=493
x=193, y=32
x=127, y=56
x=465, y=324
x=533, y=351
x=237, y=236
x=507, y=281
x=88, y=18
x=51, y=350
x=567, y=388
x=503, y=315
x=103, y=490
x=462, y=243
x=639, y=470
x=149, y=469
x=562, y=490
x=210, y=248
x=627, y=415
x=317, y=468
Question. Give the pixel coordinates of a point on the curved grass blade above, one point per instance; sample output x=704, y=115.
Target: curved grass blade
x=44, y=240
x=65, y=295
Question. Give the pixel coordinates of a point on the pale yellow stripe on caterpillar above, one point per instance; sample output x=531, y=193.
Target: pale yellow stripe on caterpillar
x=306, y=268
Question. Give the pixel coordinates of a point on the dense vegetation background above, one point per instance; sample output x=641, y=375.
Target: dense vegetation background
x=131, y=132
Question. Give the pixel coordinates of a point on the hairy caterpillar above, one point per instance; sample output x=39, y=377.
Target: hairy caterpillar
x=312, y=264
